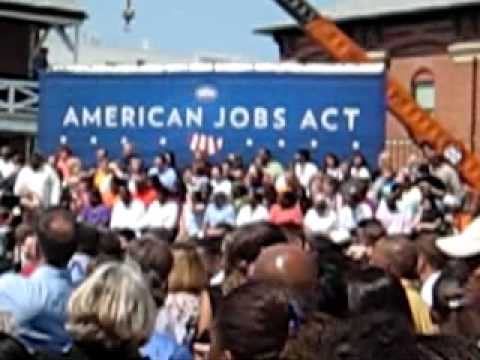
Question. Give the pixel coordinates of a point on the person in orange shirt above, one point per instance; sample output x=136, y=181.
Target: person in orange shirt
x=287, y=210
x=146, y=192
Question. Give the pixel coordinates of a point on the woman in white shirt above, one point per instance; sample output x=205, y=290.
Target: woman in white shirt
x=163, y=213
x=219, y=182
x=254, y=211
x=331, y=167
x=359, y=169
x=321, y=218
x=127, y=212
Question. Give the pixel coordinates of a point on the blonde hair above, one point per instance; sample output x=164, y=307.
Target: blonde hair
x=188, y=273
x=112, y=308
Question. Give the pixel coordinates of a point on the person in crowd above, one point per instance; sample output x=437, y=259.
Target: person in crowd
x=38, y=303
x=394, y=220
x=359, y=169
x=429, y=217
x=219, y=212
x=398, y=256
x=156, y=261
x=111, y=315
x=451, y=306
x=321, y=218
x=254, y=177
x=38, y=184
x=330, y=188
x=7, y=165
x=373, y=289
x=100, y=154
x=370, y=336
x=295, y=270
x=442, y=170
x=237, y=167
x=96, y=213
x=304, y=168
x=331, y=167
x=252, y=323
x=128, y=153
x=87, y=249
x=254, y=210
x=271, y=167
x=145, y=189
x=288, y=181
x=127, y=213
x=287, y=210
x=194, y=215
x=244, y=246
x=62, y=159
x=134, y=173
x=186, y=313
x=355, y=207
x=384, y=184
x=167, y=176
x=163, y=213
x=102, y=176
x=220, y=182
x=26, y=241
x=367, y=234
x=430, y=264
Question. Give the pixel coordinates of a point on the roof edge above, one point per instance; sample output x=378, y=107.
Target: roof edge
x=232, y=68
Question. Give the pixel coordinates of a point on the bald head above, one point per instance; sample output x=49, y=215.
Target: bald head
x=288, y=265
x=397, y=255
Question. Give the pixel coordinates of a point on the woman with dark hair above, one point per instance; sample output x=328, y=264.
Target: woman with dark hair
x=331, y=166
x=375, y=290
x=359, y=168
x=370, y=336
x=252, y=323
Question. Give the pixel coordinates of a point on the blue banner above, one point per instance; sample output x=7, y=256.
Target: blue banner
x=217, y=113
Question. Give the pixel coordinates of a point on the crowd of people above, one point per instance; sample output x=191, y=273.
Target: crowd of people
x=238, y=261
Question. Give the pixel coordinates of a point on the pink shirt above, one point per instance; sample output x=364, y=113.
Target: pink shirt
x=280, y=216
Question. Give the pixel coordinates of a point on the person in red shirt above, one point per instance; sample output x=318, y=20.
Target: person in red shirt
x=146, y=192
x=287, y=210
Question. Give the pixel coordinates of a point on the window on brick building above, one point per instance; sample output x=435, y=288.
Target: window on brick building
x=423, y=89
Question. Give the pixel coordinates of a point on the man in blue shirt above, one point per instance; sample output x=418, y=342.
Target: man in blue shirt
x=38, y=304
x=166, y=174
x=219, y=212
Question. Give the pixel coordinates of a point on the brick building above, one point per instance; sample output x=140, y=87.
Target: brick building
x=432, y=46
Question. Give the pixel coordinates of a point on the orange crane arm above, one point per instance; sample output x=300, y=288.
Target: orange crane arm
x=421, y=126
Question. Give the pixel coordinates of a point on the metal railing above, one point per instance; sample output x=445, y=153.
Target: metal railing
x=401, y=151
x=18, y=97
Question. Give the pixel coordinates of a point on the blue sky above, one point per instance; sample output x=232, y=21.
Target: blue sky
x=187, y=27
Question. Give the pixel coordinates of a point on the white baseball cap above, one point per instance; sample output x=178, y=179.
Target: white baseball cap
x=463, y=245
